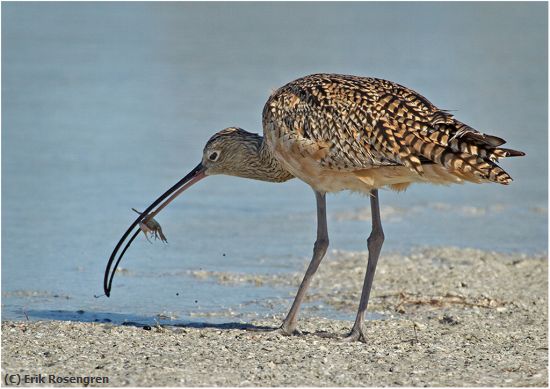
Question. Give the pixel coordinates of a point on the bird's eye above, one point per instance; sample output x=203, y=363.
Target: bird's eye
x=213, y=156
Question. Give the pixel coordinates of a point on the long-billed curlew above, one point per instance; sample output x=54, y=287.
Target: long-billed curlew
x=338, y=132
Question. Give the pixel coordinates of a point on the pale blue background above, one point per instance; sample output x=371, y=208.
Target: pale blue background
x=107, y=105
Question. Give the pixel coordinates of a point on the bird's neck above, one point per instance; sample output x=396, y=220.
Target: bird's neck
x=262, y=165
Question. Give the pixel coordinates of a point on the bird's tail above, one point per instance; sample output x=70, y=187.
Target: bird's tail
x=464, y=151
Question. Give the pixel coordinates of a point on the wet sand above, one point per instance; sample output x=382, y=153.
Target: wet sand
x=449, y=317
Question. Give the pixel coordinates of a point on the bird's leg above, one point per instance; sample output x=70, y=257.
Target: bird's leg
x=374, y=243
x=319, y=250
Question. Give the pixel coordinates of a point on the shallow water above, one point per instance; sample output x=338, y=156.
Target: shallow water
x=107, y=105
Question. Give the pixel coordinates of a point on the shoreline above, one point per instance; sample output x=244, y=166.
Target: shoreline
x=450, y=317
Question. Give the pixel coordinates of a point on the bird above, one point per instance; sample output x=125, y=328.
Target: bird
x=342, y=132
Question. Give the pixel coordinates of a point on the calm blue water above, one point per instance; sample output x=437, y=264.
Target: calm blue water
x=107, y=105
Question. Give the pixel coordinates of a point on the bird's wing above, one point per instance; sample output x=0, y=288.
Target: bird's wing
x=367, y=122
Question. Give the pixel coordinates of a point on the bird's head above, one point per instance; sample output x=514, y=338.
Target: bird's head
x=231, y=151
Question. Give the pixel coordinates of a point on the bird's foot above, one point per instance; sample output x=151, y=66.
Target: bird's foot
x=288, y=329
x=356, y=334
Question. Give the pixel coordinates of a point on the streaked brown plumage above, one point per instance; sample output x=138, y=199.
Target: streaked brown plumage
x=338, y=132
x=370, y=128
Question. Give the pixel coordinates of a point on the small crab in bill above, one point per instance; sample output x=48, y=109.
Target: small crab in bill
x=151, y=226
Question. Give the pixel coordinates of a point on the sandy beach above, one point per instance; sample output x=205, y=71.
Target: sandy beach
x=446, y=317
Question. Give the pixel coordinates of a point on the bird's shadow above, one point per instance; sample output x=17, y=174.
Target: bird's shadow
x=148, y=321
x=133, y=320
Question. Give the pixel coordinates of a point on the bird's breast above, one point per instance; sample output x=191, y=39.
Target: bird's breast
x=302, y=158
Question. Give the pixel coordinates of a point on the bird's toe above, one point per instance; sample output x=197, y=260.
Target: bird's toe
x=356, y=335
x=288, y=329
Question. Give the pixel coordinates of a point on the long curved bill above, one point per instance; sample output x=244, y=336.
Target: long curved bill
x=193, y=177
